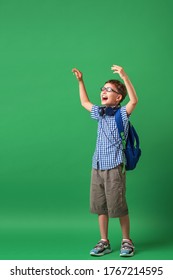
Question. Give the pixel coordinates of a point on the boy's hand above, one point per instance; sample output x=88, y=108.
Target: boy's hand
x=77, y=73
x=119, y=70
x=130, y=89
x=85, y=102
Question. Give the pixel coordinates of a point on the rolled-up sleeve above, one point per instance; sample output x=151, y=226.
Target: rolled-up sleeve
x=125, y=119
x=95, y=112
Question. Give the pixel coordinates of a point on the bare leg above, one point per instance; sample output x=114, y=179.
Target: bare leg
x=103, y=224
x=127, y=246
x=125, y=226
x=103, y=246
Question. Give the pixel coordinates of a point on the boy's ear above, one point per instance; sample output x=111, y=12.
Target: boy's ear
x=119, y=97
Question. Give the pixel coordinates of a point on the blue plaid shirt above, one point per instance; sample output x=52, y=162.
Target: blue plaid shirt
x=109, y=151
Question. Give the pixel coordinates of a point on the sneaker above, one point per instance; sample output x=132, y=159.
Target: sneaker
x=127, y=248
x=101, y=248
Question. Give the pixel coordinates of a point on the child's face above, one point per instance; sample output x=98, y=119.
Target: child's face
x=109, y=95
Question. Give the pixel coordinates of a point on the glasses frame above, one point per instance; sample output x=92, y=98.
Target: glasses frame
x=109, y=89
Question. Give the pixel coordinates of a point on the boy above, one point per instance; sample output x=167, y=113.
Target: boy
x=108, y=182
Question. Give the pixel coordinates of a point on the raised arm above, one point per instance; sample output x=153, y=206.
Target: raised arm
x=130, y=89
x=85, y=102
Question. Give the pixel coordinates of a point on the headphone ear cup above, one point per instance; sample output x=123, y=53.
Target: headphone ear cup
x=109, y=111
x=101, y=111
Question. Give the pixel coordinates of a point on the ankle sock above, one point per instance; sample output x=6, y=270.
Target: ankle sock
x=105, y=240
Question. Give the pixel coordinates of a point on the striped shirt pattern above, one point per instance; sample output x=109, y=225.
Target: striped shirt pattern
x=109, y=150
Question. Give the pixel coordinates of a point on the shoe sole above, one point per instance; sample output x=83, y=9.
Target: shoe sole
x=107, y=251
x=127, y=255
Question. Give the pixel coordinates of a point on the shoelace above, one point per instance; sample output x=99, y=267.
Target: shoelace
x=101, y=244
x=127, y=245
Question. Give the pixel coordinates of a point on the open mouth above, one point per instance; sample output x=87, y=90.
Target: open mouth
x=104, y=98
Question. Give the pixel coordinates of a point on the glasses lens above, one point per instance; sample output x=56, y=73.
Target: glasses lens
x=108, y=89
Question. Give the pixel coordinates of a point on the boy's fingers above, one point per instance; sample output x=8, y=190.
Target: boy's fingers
x=114, y=67
x=75, y=70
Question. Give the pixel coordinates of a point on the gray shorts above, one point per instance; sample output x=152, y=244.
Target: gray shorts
x=107, y=193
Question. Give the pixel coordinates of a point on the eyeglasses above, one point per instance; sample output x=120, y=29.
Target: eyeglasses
x=109, y=89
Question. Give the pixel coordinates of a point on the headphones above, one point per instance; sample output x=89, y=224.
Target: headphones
x=108, y=111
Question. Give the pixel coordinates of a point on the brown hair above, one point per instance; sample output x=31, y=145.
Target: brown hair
x=120, y=87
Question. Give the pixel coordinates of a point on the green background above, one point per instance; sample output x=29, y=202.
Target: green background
x=47, y=139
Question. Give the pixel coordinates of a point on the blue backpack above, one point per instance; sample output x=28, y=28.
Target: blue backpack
x=131, y=147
